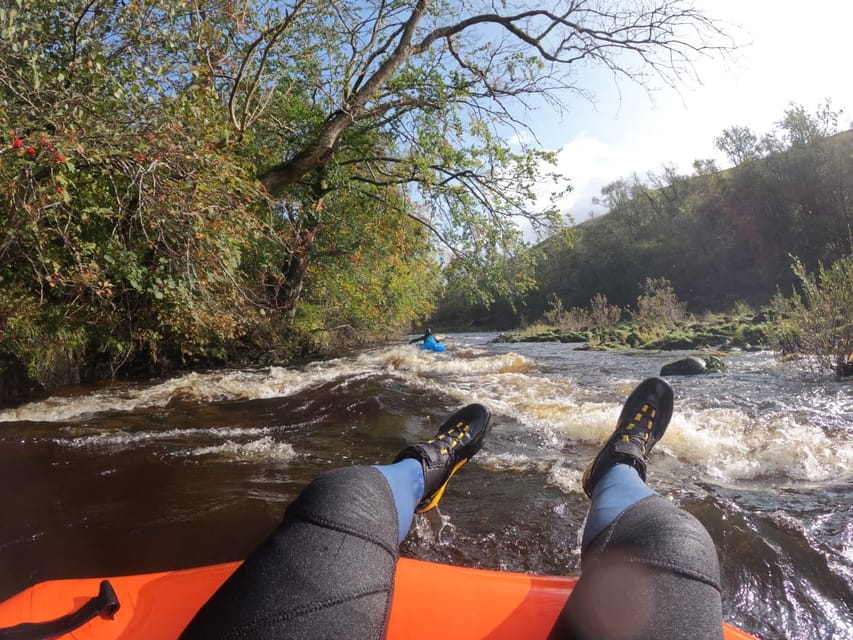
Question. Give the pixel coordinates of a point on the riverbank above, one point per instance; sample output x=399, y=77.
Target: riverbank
x=727, y=332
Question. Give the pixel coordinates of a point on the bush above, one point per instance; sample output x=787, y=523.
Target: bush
x=658, y=306
x=603, y=314
x=573, y=319
x=742, y=309
x=817, y=323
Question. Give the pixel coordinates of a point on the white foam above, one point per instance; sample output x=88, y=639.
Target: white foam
x=407, y=363
x=474, y=362
x=847, y=543
x=508, y=461
x=566, y=479
x=731, y=446
x=434, y=528
x=726, y=441
x=263, y=449
x=83, y=438
x=182, y=442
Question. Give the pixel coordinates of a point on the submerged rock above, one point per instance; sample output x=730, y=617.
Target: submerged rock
x=845, y=368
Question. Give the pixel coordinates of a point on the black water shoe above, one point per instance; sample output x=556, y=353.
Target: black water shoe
x=641, y=424
x=459, y=438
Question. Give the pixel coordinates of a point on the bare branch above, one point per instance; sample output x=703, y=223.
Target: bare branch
x=663, y=36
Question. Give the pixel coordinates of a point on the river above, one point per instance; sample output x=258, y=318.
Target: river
x=198, y=468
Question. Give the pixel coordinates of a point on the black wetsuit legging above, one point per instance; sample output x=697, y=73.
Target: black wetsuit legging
x=327, y=572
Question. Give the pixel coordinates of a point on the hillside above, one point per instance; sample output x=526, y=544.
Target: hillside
x=720, y=236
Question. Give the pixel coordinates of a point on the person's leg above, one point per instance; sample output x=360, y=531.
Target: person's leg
x=653, y=573
x=328, y=570
x=650, y=570
x=618, y=489
x=406, y=481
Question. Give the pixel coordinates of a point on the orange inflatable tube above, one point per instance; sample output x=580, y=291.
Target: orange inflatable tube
x=160, y=605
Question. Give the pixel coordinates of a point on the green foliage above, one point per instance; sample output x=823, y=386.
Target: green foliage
x=740, y=144
x=800, y=128
x=372, y=278
x=742, y=309
x=818, y=322
x=658, y=312
x=566, y=320
x=599, y=314
x=574, y=319
x=180, y=183
x=713, y=331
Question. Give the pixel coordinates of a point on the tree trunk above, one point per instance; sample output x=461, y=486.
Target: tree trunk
x=294, y=276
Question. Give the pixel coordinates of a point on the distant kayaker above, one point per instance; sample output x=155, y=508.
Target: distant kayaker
x=426, y=337
x=650, y=569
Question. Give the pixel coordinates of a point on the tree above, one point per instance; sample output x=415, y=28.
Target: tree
x=437, y=82
x=738, y=143
x=370, y=277
x=800, y=128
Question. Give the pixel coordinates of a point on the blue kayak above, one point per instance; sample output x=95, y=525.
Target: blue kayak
x=430, y=344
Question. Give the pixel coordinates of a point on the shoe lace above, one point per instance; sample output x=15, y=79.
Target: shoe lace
x=639, y=428
x=448, y=440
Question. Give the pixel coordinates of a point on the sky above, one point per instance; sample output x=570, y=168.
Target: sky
x=789, y=52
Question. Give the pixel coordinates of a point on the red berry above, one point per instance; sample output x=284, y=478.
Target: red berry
x=17, y=143
x=31, y=151
x=58, y=157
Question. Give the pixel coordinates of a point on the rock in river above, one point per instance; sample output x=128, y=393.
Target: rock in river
x=689, y=366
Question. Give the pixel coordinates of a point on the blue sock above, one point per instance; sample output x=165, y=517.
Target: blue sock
x=406, y=479
x=619, y=488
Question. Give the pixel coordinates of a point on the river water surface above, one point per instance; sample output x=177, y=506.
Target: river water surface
x=197, y=469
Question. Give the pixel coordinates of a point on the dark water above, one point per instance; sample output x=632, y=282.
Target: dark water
x=198, y=469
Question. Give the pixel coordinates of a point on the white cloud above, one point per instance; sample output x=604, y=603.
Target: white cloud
x=591, y=164
x=790, y=55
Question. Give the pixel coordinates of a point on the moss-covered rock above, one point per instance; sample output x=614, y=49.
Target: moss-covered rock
x=634, y=340
x=673, y=342
x=600, y=346
x=748, y=335
x=713, y=364
x=546, y=335
x=718, y=333
x=574, y=336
